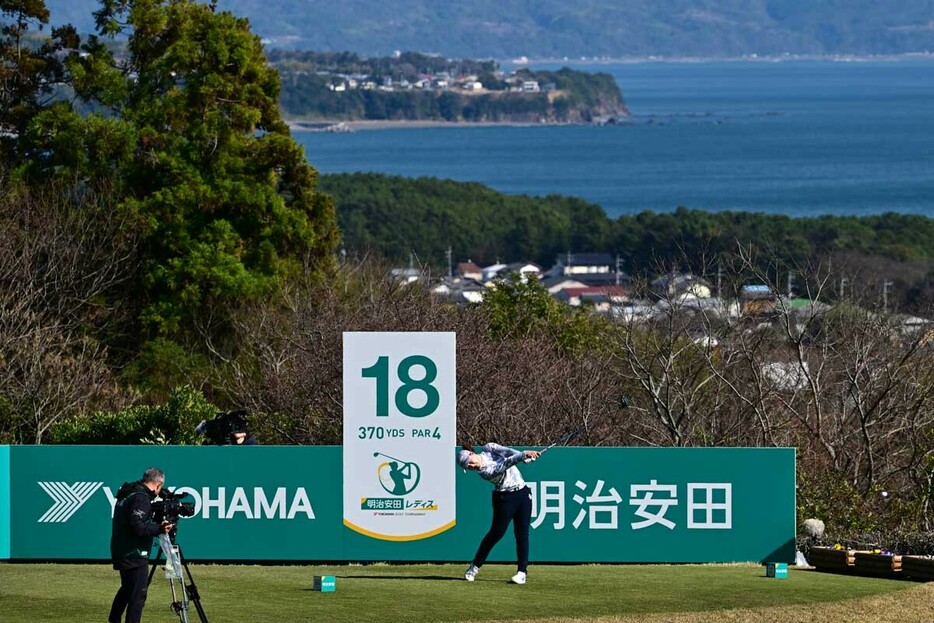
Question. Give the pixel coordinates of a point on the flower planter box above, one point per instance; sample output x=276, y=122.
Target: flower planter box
x=830, y=559
x=918, y=568
x=878, y=565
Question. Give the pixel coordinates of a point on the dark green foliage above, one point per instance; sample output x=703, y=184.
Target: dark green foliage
x=222, y=198
x=313, y=102
x=172, y=422
x=829, y=497
x=400, y=216
x=228, y=194
x=180, y=123
x=30, y=69
x=163, y=364
x=518, y=308
x=426, y=216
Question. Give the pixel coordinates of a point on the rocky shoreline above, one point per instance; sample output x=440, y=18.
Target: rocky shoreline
x=390, y=124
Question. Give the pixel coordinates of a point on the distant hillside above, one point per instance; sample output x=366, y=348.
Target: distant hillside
x=549, y=28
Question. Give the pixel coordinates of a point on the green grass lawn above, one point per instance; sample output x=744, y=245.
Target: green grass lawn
x=425, y=593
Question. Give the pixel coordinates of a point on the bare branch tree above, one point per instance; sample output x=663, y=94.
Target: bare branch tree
x=519, y=391
x=61, y=251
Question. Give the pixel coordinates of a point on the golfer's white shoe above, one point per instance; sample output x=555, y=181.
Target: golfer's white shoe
x=519, y=578
x=471, y=574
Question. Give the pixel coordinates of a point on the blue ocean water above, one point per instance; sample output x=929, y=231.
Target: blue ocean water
x=800, y=138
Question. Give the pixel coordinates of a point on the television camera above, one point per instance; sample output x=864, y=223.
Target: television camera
x=225, y=424
x=171, y=507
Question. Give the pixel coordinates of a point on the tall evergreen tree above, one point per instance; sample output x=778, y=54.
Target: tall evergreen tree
x=224, y=196
x=30, y=69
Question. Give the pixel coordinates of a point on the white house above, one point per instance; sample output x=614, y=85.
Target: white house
x=526, y=269
x=490, y=272
x=557, y=283
x=469, y=270
x=679, y=285
x=582, y=263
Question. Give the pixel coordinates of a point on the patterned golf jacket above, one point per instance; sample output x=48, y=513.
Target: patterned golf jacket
x=499, y=467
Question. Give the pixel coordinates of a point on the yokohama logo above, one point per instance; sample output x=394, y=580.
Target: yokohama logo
x=68, y=499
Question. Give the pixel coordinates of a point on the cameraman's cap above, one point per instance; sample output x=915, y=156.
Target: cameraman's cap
x=463, y=457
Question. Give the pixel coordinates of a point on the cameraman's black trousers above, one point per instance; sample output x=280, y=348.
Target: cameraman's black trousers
x=131, y=596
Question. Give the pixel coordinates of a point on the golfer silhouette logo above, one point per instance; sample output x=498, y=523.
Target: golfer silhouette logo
x=396, y=476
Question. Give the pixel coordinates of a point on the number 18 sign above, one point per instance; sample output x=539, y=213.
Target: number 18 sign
x=399, y=428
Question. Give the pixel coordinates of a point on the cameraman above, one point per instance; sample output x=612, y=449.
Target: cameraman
x=131, y=541
x=242, y=438
x=228, y=428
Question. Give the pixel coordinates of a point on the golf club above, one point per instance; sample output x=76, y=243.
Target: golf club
x=561, y=441
x=391, y=458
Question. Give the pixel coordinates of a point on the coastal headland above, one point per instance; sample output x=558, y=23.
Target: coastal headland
x=326, y=89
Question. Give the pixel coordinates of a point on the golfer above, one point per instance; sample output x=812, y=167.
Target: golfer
x=512, y=501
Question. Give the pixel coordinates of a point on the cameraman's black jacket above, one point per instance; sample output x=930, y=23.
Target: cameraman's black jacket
x=131, y=537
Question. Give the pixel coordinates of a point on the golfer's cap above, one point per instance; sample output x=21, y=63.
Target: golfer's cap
x=463, y=457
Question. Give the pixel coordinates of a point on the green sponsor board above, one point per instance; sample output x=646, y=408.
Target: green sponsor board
x=251, y=502
x=4, y=502
x=285, y=503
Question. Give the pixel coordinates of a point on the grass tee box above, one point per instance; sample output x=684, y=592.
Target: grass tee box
x=382, y=593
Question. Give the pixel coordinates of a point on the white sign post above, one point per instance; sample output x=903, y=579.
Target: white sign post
x=399, y=430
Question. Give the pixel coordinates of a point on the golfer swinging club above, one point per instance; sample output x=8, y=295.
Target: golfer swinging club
x=512, y=501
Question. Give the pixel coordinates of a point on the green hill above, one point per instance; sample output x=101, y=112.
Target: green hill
x=548, y=28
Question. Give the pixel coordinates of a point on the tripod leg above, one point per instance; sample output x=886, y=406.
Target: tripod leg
x=201, y=614
x=193, y=595
x=180, y=607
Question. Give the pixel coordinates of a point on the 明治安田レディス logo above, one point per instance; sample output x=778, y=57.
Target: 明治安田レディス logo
x=396, y=476
x=67, y=499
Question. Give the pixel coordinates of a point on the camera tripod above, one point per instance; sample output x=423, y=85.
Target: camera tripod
x=184, y=595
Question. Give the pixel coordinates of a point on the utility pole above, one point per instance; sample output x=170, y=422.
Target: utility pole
x=619, y=263
x=886, y=286
x=719, y=280
x=450, y=265
x=844, y=282
x=791, y=280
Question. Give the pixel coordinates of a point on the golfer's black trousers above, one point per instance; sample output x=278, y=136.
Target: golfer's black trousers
x=515, y=506
x=131, y=596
